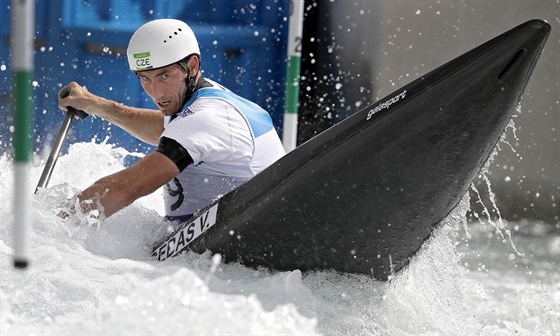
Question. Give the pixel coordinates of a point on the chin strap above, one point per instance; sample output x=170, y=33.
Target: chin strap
x=190, y=80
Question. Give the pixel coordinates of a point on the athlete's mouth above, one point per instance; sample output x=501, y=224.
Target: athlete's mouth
x=163, y=104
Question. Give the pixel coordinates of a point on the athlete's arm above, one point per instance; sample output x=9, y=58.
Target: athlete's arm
x=116, y=191
x=145, y=124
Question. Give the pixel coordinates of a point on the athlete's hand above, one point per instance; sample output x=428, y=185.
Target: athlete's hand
x=83, y=213
x=76, y=96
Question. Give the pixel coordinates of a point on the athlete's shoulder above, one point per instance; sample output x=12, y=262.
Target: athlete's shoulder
x=215, y=85
x=213, y=90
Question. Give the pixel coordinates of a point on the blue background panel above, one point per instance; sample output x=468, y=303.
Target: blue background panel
x=243, y=46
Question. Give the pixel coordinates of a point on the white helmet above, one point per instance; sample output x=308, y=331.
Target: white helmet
x=160, y=43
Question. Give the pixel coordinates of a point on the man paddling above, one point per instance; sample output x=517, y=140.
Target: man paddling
x=214, y=141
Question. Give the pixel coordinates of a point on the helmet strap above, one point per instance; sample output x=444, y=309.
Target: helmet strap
x=190, y=80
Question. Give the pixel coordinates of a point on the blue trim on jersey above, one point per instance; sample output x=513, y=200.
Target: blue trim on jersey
x=259, y=120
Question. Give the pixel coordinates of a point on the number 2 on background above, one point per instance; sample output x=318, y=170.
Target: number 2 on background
x=298, y=43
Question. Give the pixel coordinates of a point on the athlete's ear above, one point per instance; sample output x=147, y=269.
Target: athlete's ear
x=194, y=64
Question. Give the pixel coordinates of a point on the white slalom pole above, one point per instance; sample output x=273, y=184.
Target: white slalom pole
x=295, y=31
x=23, y=26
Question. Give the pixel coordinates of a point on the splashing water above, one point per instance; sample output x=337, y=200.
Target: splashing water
x=499, y=227
x=97, y=278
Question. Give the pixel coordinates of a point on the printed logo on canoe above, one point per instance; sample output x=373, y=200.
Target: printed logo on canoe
x=179, y=241
x=142, y=61
x=386, y=104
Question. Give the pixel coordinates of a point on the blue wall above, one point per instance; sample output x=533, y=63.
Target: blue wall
x=243, y=46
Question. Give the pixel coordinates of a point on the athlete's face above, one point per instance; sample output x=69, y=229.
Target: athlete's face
x=166, y=86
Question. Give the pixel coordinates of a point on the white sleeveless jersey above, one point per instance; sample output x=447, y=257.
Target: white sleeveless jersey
x=230, y=140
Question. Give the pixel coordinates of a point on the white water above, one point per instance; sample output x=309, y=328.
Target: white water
x=97, y=278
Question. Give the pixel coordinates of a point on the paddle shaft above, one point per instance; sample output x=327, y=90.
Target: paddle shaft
x=53, y=157
x=55, y=152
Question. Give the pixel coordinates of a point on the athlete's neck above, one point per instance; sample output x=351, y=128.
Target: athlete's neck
x=201, y=83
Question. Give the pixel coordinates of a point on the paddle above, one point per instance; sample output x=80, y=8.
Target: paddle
x=53, y=157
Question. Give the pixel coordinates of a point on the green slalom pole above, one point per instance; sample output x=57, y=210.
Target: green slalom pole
x=295, y=31
x=23, y=26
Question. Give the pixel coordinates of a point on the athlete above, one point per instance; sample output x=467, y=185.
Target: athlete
x=212, y=142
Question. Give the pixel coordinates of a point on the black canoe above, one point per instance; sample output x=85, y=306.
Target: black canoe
x=364, y=195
